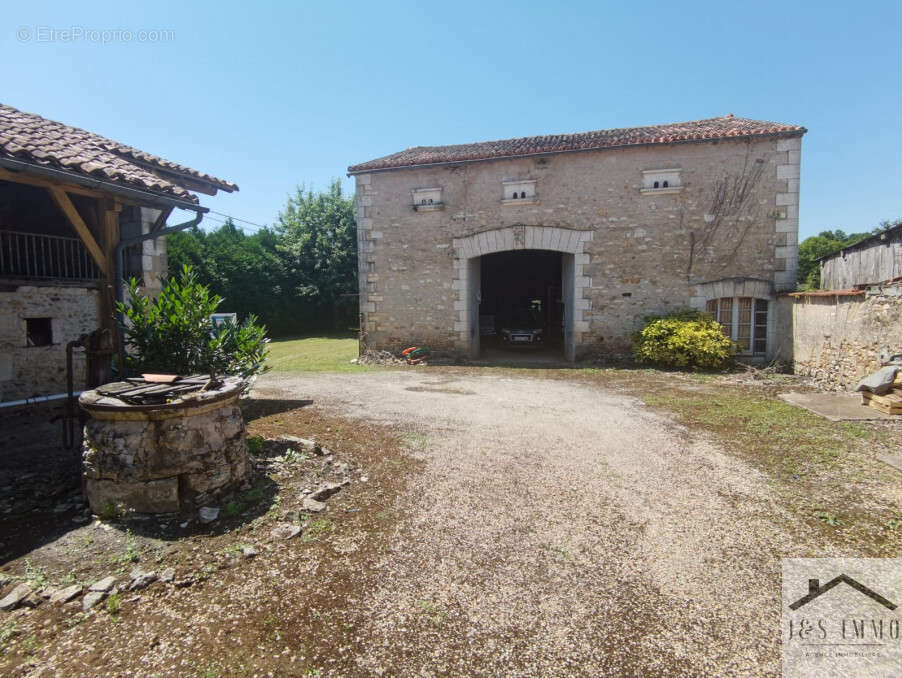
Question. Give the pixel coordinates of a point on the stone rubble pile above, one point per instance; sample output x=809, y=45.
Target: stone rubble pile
x=382, y=358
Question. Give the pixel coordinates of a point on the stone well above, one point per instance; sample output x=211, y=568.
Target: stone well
x=163, y=458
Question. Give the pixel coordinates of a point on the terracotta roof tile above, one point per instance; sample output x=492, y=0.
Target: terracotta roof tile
x=31, y=138
x=828, y=293
x=724, y=127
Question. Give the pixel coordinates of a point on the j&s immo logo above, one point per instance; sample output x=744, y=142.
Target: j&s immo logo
x=850, y=625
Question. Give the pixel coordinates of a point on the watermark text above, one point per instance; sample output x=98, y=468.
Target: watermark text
x=100, y=36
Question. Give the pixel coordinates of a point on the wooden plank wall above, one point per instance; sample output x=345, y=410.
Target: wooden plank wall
x=879, y=262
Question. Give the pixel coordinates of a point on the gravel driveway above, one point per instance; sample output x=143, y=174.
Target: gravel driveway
x=559, y=529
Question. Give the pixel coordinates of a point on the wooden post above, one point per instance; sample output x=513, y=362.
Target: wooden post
x=108, y=216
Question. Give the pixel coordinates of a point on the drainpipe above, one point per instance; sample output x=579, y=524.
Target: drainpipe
x=37, y=399
x=155, y=232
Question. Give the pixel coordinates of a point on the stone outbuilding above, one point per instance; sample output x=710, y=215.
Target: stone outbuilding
x=583, y=234
x=78, y=214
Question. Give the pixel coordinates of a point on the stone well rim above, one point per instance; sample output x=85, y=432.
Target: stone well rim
x=107, y=408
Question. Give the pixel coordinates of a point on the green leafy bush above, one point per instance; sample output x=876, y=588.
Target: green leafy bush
x=684, y=339
x=173, y=333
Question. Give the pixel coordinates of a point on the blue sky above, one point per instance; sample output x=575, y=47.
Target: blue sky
x=271, y=95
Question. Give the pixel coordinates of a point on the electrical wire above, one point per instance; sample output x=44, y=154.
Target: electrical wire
x=220, y=222
x=243, y=221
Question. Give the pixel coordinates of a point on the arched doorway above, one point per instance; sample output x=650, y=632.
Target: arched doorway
x=521, y=305
x=568, y=243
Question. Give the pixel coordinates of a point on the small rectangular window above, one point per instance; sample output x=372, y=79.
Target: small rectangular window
x=38, y=331
x=427, y=199
x=521, y=191
x=661, y=180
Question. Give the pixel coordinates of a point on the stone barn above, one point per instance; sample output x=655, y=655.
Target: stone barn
x=569, y=240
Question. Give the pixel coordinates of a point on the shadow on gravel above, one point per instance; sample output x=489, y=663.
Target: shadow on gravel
x=257, y=408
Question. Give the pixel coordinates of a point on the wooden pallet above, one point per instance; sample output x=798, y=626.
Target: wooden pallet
x=889, y=403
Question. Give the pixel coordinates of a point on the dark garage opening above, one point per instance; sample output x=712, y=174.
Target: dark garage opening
x=521, y=309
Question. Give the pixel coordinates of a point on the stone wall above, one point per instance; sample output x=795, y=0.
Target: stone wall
x=27, y=371
x=146, y=260
x=640, y=252
x=837, y=339
x=781, y=348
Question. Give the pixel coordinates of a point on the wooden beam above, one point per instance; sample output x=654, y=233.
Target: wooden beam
x=41, y=182
x=61, y=198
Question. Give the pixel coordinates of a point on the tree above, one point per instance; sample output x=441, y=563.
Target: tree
x=245, y=270
x=318, y=238
x=298, y=277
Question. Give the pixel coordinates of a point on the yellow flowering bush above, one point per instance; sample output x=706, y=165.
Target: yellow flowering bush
x=686, y=339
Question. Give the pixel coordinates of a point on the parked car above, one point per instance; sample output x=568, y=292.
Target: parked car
x=523, y=328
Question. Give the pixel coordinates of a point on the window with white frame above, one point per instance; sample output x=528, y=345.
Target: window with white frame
x=661, y=181
x=520, y=191
x=426, y=199
x=744, y=320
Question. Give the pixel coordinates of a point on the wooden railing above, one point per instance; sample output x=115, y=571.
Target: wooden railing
x=42, y=257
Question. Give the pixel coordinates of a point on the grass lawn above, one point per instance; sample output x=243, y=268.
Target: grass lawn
x=314, y=354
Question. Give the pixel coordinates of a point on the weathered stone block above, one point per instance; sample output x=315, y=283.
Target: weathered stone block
x=787, y=171
x=792, y=144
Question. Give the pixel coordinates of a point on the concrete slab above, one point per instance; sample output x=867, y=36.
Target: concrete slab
x=522, y=357
x=835, y=406
x=893, y=460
